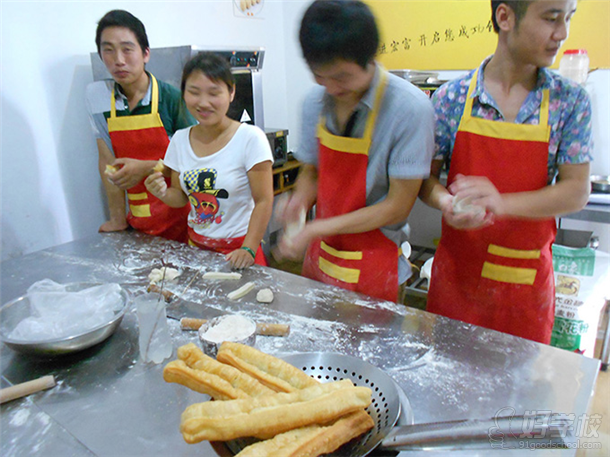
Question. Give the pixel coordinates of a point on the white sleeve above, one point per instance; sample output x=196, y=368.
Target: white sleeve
x=172, y=155
x=257, y=148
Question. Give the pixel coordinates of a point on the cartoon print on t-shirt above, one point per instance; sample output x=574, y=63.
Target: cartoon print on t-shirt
x=200, y=184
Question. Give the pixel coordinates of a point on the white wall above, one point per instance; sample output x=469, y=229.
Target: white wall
x=50, y=191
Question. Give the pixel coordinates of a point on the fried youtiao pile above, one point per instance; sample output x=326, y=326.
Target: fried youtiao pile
x=261, y=396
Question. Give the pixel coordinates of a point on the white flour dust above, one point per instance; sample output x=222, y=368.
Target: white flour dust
x=20, y=417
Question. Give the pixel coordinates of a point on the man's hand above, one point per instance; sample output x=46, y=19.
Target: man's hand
x=156, y=185
x=294, y=247
x=291, y=211
x=465, y=220
x=480, y=191
x=131, y=172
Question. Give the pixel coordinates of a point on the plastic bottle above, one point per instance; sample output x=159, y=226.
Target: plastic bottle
x=575, y=65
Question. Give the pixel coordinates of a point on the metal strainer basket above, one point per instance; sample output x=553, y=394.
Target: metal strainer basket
x=384, y=409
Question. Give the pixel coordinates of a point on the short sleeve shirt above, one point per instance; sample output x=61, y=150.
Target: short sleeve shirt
x=403, y=138
x=172, y=111
x=217, y=185
x=402, y=145
x=569, y=116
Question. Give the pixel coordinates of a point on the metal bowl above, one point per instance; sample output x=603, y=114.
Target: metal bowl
x=210, y=347
x=20, y=308
x=600, y=183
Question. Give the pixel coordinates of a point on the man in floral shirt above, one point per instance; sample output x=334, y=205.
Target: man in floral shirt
x=516, y=140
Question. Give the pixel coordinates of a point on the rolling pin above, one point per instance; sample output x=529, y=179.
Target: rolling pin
x=263, y=329
x=26, y=388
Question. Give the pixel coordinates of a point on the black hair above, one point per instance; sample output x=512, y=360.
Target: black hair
x=122, y=18
x=338, y=29
x=212, y=65
x=519, y=7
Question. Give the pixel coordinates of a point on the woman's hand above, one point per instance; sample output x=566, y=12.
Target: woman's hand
x=240, y=258
x=156, y=185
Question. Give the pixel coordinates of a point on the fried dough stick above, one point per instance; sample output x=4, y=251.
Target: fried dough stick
x=203, y=374
x=265, y=417
x=219, y=389
x=270, y=371
x=313, y=440
x=197, y=360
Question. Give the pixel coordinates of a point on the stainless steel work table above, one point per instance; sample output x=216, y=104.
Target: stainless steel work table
x=109, y=403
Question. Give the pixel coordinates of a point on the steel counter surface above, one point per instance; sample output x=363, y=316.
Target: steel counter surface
x=112, y=403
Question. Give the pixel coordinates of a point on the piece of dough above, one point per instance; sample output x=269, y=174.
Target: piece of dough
x=313, y=440
x=110, y=169
x=156, y=274
x=243, y=290
x=270, y=371
x=264, y=296
x=159, y=167
x=295, y=227
x=221, y=275
x=464, y=205
x=267, y=416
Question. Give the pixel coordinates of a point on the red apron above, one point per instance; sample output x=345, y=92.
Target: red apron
x=223, y=245
x=500, y=276
x=363, y=262
x=143, y=137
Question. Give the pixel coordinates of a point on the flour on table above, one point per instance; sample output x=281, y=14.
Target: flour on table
x=228, y=328
x=20, y=417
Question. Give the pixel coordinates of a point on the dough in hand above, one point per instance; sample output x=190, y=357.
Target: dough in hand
x=159, y=166
x=464, y=205
x=264, y=296
x=110, y=169
x=156, y=275
x=295, y=227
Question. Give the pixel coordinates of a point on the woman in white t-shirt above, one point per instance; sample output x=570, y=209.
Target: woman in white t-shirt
x=222, y=167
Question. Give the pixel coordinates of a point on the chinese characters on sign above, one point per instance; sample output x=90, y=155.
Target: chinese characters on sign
x=435, y=38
